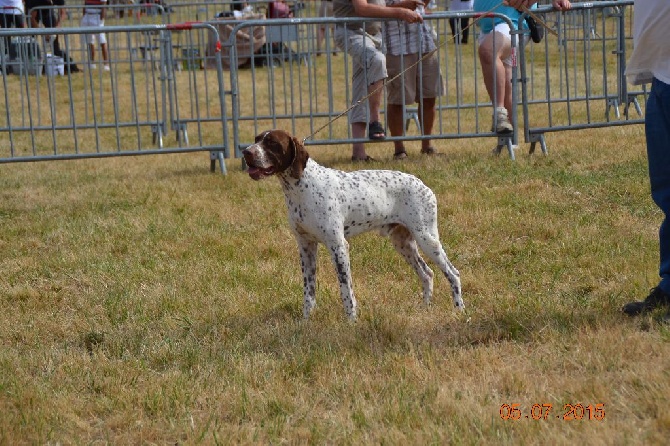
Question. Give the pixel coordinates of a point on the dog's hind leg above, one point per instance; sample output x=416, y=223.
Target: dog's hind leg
x=308, y=250
x=404, y=243
x=431, y=246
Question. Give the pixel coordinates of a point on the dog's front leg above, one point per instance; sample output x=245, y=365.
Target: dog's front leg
x=308, y=250
x=339, y=250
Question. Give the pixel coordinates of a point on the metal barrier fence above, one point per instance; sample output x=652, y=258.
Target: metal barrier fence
x=210, y=10
x=570, y=82
x=71, y=16
x=124, y=106
x=169, y=78
x=576, y=80
x=298, y=90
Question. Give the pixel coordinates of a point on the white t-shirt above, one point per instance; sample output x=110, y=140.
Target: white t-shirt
x=90, y=7
x=13, y=7
x=651, y=53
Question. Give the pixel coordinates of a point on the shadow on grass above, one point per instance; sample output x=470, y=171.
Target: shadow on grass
x=280, y=330
x=276, y=332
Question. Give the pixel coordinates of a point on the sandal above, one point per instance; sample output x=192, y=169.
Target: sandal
x=376, y=131
x=367, y=159
x=429, y=150
x=400, y=155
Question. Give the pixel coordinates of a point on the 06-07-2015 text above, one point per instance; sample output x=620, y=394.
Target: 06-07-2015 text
x=543, y=411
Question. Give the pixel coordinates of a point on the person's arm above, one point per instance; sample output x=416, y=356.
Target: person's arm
x=365, y=9
x=561, y=5
x=407, y=4
x=33, y=19
x=61, y=16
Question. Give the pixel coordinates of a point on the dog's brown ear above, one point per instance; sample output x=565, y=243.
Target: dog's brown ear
x=300, y=158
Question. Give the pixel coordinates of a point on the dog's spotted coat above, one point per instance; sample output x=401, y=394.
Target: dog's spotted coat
x=329, y=206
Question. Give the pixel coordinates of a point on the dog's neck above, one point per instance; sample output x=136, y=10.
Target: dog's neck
x=289, y=181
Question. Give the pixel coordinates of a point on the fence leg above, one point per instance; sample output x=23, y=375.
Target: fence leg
x=632, y=99
x=505, y=141
x=534, y=139
x=217, y=155
x=412, y=115
x=157, y=135
x=613, y=103
x=182, y=131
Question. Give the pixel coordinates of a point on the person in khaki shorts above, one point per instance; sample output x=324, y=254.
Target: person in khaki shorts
x=363, y=44
x=420, y=83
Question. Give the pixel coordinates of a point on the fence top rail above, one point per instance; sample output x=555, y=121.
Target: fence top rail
x=224, y=3
x=153, y=6
x=238, y=24
x=108, y=29
x=544, y=8
x=591, y=5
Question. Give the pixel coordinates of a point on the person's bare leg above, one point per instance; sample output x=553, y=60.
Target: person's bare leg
x=508, y=91
x=493, y=69
x=105, y=54
x=91, y=52
x=358, y=130
x=375, y=92
x=320, y=36
x=426, y=120
x=396, y=121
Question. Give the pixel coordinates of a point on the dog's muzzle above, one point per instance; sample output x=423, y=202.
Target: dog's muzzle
x=258, y=166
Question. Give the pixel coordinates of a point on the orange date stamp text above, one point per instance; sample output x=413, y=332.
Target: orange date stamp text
x=544, y=411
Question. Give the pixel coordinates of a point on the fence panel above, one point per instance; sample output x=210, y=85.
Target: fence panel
x=124, y=107
x=168, y=79
x=307, y=91
x=70, y=16
x=178, y=12
x=576, y=80
x=569, y=82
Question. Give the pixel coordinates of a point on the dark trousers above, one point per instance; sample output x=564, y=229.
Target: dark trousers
x=50, y=20
x=463, y=30
x=657, y=131
x=11, y=21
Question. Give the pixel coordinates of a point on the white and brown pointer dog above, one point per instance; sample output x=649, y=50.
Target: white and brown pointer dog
x=329, y=206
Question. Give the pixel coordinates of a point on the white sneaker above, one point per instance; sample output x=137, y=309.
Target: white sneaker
x=91, y=66
x=501, y=122
x=106, y=68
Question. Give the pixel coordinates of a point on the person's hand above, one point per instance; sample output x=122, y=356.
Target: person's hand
x=408, y=15
x=410, y=4
x=561, y=5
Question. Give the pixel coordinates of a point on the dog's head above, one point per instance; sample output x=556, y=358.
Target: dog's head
x=275, y=152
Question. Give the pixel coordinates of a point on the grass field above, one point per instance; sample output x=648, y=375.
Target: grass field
x=145, y=300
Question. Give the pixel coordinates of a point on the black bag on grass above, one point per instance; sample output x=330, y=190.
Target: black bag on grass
x=536, y=32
